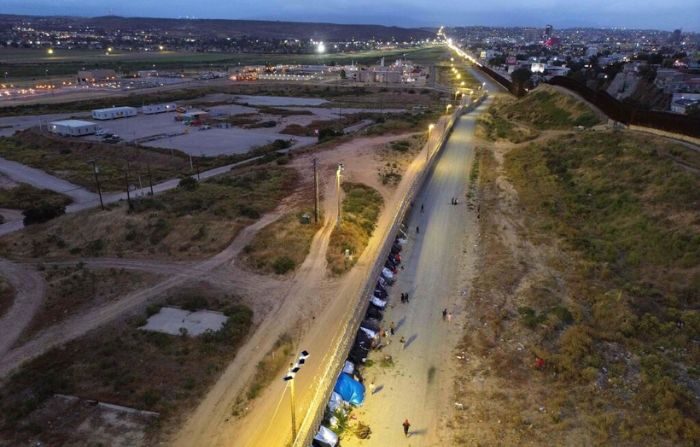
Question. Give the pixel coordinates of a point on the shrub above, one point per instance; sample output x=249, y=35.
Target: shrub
x=188, y=183
x=42, y=213
x=283, y=265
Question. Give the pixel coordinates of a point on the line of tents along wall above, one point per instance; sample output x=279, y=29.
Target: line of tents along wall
x=349, y=390
x=112, y=113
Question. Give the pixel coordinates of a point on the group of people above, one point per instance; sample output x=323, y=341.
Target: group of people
x=454, y=201
x=404, y=297
x=446, y=315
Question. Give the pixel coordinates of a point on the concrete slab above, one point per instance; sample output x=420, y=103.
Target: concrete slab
x=170, y=320
x=279, y=100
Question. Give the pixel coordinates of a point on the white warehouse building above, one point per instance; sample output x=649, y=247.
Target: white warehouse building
x=74, y=128
x=158, y=108
x=113, y=113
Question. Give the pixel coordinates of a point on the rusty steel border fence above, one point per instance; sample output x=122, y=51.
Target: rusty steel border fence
x=314, y=418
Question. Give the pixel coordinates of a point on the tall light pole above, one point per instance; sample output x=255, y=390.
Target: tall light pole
x=289, y=378
x=338, y=175
x=447, y=108
x=427, y=152
x=96, y=170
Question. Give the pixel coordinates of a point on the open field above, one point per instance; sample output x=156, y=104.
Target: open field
x=188, y=222
x=29, y=63
x=396, y=156
x=282, y=246
x=23, y=196
x=75, y=289
x=126, y=366
x=71, y=159
x=583, y=311
x=361, y=207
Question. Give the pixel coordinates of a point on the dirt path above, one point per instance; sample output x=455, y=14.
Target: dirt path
x=81, y=324
x=438, y=264
x=30, y=292
x=311, y=299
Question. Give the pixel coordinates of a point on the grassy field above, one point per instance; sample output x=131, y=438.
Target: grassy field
x=396, y=156
x=361, y=207
x=181, y=223
x=25, y=196
x=123, y=365
x=282, y=246
x=71, y=160
x=606, y=296
x=29, y=63
x=75, y=289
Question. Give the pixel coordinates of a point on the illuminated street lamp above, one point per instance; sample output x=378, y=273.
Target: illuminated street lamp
x=427, y=152
x=49, y=51
x=289, y=378
x=447, y=109
x=338, y=176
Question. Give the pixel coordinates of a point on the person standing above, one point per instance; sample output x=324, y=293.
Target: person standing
x=417, y=229
x=444, y=314
x=371, y=388
x=449, y=317
x=392, y=328
x=406, y=426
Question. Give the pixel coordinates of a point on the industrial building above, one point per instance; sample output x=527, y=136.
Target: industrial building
x=158, y=108
x=73, y=128
x=98, y=75
x=114, y=113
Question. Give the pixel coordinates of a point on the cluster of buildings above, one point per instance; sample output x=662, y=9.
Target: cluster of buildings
x=400, y=72
x=620, y=61
x=78, y=128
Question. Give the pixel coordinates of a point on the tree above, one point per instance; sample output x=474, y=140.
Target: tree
x=521, y=78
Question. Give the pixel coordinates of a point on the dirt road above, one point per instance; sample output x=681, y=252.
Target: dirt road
x=30, y=292
x=437, y=269
x=319, y=303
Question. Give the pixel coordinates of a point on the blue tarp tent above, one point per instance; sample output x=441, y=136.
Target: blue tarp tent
x=350, y=389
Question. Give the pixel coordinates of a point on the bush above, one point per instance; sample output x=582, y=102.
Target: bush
x=42, y=213
x=328, y=133
x=283, y=265
x=188, y=184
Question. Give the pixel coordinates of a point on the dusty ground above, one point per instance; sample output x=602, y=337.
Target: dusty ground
x=306, y=302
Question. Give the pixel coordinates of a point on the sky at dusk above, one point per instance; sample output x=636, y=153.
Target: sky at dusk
x=657, y=14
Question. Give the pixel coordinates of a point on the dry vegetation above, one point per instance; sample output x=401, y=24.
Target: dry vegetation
x=71, y=160
x=583, y=319
x=75, y=289
x=190, y=222
x=24, y=196
x=361, y=207
x=545, y=108
x=123, y=365
x=7, y=295
x=282, y=246
x=396, y=156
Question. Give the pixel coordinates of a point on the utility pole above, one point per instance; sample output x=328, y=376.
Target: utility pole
x=128, y=193
x=338, y=173
x=315, y=191
x=95, y=170
x=150, y=179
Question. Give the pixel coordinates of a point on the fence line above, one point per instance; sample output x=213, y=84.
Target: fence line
x=310, y=425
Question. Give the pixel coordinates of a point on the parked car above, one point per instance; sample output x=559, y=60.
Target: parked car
x=374, y=313
x=379, y=303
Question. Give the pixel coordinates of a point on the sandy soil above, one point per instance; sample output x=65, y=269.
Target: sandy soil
x=310, y=301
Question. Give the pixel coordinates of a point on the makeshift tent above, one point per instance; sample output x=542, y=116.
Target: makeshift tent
x=377, y=302
x=369, y=332
x=349, y=367
x=350, y=389
x=336, y=402
x=325, y=438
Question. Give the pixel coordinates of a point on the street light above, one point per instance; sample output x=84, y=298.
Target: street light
x=289, y=378
x=447, y=109
x=338, y=175
x=427, y=152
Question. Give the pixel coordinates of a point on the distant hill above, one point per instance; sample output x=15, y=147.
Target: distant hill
x=223, y=28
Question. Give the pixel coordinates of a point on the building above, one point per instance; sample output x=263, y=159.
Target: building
x=158, y=108
x=113, y=113
x=97, y=75
x=73, y=128
x=681, y=102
